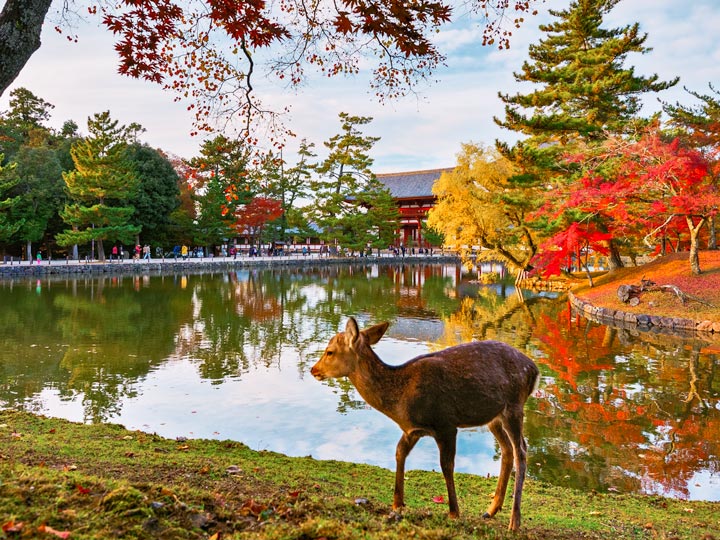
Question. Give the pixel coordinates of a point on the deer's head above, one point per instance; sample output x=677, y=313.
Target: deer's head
x=341, y=355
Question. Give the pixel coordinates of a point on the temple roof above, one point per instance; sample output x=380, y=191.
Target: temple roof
x=407, y=185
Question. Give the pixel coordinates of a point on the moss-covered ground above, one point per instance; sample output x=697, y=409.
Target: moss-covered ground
x=67, y=480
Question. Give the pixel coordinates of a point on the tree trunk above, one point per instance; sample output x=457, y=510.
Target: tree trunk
x=614, y=260
x=712, y=236
x=28, y=250
x=100, y=250
x=20, y=26
x=695, y=245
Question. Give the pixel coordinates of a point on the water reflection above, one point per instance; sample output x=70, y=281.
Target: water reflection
x=227, y=356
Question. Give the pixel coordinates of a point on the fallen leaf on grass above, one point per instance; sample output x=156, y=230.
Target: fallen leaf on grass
x=82, y=490
x=252, y=508
x=12, y=526
x=439, y=499
x=49, y=530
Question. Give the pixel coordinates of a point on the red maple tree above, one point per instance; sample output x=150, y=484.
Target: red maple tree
x=251, y=218
x=646, y=191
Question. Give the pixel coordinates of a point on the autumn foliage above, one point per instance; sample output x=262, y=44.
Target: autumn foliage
x=251, y=218
x=649, y=192
x=205, y=51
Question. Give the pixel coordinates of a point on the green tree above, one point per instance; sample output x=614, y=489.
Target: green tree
x=351, y=203
x=158, y=194
x=40, y=193
x=222, y=182
x=583, y=93
x=286, y=185
x=214, y=223
x=586, y=91
x=8, y=181
x=228, y=161
x=24, y=122
x=100, y=187
x=28, y=110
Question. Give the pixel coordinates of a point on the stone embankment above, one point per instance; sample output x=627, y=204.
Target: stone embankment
x=644, y=322
x=196, y=265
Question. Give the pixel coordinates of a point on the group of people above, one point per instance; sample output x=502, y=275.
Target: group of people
x=118, y=252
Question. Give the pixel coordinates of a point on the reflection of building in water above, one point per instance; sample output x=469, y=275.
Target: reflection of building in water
x=415, y=285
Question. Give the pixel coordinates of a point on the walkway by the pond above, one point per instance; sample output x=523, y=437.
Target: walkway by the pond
x=12, y=269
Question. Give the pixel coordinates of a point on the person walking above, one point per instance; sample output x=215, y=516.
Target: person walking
x=184, y=251
x=146, y=252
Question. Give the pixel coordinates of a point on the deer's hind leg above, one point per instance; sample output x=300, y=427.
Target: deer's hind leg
x=506, y=465
x=513, y=424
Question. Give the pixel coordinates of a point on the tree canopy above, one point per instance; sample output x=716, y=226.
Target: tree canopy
x=101, y=186
x=209, y=50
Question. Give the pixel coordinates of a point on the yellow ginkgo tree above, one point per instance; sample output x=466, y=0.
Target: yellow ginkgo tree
x=482, y=214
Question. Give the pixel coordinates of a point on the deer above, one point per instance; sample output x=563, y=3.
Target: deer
x=467, y=385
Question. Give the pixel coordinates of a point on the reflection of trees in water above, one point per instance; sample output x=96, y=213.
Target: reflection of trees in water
x=95, y=336
x=627, y=412
x=618, y=408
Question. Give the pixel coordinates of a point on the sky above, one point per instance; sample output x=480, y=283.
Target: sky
x=421, y=132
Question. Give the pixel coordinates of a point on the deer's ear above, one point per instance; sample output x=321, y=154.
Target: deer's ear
x=374, y=333
x=351, y=332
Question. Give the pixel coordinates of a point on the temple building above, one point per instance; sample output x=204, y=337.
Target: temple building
x=413, y=195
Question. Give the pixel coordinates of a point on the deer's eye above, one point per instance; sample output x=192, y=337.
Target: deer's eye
x=328, y=353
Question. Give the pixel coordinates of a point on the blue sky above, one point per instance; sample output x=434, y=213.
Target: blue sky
x=421, y=132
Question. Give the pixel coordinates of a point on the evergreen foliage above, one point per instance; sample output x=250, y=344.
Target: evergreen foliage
x=158, y=194
x=585, y=90
x=101, y=186
x=352, y=208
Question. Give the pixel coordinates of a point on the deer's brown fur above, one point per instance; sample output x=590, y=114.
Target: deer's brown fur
x=473, y=384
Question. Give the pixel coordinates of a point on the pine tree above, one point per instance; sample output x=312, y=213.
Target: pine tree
x=101, y=185
x=8, y=227
x=351, y=204
x=585, y=89
x=583, y=94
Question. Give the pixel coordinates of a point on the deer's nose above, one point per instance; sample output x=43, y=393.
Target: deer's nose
x=315, y=372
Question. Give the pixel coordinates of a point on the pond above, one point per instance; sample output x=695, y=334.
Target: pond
x=227, y=356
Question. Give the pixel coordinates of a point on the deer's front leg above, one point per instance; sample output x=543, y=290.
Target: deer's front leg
x=405, y=445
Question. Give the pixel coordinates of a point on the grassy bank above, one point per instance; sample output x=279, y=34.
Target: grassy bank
x=62, y=479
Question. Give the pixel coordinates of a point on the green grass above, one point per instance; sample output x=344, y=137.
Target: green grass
x=102, y=481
